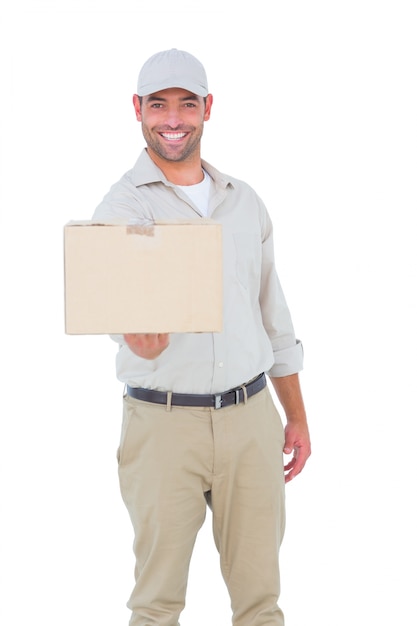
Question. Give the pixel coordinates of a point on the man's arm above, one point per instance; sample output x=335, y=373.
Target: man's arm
x=297, y=437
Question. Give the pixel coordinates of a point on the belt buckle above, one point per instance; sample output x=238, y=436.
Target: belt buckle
x=218, y=399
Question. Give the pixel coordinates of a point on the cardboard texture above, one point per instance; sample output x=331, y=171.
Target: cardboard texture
x=128, y=278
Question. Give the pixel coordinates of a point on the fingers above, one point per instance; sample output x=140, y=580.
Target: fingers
x=297, y=443
x=296, y=464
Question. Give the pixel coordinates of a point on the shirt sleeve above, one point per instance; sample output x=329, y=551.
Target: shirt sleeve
x=118, y=339
x=120, y=202
x=287, y=349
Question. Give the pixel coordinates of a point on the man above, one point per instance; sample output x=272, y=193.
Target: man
x=199, y=424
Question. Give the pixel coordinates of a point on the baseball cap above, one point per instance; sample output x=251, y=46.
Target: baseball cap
x=172, y=68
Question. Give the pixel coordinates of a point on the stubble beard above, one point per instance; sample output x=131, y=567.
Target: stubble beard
x=164, y=152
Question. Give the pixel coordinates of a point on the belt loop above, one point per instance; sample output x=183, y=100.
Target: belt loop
x=169, y=400
x=245, y=394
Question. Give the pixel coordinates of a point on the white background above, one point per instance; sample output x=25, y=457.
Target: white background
x=315, y=105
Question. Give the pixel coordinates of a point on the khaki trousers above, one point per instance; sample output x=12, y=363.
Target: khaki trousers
x=172, y=463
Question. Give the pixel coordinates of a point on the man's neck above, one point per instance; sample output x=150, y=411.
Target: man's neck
x=186, y=173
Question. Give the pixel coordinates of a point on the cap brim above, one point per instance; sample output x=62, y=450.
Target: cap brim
x=146, y=90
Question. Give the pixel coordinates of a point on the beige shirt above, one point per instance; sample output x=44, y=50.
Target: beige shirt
x=258, y=334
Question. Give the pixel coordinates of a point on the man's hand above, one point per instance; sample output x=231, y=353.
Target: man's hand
x=297, y=438
x=147, y=345
x=297, y=443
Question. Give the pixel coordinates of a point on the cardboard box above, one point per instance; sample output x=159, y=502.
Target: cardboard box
x=124, y=278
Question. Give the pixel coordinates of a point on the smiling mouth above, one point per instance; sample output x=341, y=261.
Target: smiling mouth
x=173, y=136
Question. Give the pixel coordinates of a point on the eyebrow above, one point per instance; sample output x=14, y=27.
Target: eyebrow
x=153, y=98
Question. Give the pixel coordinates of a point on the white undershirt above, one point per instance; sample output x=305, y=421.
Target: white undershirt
x=199, y=194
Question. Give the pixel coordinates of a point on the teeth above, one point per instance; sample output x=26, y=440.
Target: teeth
x=173, y=136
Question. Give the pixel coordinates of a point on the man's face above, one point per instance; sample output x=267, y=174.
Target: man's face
x=172, y=122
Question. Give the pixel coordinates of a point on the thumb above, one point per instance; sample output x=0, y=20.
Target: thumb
x=289, y=443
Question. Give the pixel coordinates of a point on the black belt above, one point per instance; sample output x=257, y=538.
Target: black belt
x=216, y=401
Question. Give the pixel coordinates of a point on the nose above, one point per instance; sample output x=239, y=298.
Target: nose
x=173, y=117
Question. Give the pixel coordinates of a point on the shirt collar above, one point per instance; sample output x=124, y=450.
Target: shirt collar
x=145, y=171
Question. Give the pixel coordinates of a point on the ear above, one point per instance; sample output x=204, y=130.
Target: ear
x=136, y=104
x=209, y=102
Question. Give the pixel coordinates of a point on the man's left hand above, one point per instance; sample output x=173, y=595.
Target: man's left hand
x=297, y=443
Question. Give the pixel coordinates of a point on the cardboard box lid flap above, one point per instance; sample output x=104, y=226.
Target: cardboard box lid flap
x=202, y=221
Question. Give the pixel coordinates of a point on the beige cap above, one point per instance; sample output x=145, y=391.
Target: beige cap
x=172, y=68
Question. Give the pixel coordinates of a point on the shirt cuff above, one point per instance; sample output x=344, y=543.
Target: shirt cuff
x=288, y=361
x=118, y=339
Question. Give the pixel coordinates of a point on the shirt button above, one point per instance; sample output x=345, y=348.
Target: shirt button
x=221, y=364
